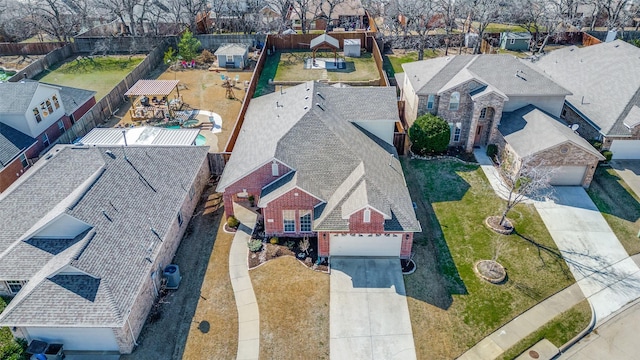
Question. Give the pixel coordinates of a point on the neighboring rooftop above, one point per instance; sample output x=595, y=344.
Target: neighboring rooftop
x=22, y=93
x=12, y=144
x=516, y=35
x=127, y=206
x=530, y=130
x=506, y=73
x=324, y=39
x=587, y=71
x=146, y=135
x=310, y=127
x=231, y=49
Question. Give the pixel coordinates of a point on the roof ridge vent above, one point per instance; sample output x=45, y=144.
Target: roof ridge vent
x=320, y=96
x=320, y=106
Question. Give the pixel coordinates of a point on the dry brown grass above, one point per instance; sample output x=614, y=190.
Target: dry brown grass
x=294, y=310
x=217, y=306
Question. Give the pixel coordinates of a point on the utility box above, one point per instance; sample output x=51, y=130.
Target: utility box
x=172, y=274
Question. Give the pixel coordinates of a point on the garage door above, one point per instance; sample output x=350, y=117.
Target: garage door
x=567, y=175
x=365, y=245
x=625, y=149
x=77, y=338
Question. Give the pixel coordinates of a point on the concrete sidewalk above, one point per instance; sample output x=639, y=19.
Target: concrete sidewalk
x=248, y=316
x=531, y=320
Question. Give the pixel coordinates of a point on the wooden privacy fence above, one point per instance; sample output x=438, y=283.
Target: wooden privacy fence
x=253, y=83
x=302, y=41
x=106, y=106
x=217, y=161
x=588, y=40
x=52, y=58
x=377, y=56
x=41, y=48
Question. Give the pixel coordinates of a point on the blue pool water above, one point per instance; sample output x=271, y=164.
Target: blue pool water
x=200, y=140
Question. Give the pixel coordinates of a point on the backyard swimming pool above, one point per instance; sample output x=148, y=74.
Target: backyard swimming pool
x=5, y=75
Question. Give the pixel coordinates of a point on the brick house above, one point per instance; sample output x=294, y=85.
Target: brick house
x=32, y=119
x=472, y=91
x=605, y=84
x=319, y=161
x=85, y=236
x=562, y=154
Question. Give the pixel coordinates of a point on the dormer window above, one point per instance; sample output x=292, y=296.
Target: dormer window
x=36, y=113
x=454, y=101
x=274, y=169
x=56, y=103
x=366, y=216
x=49, y=107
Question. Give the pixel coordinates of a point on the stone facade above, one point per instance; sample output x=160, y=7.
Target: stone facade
x=586, y=130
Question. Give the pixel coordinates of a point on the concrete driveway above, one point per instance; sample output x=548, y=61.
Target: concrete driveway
x=606, y=274
x=368, y=310
x=629, y=171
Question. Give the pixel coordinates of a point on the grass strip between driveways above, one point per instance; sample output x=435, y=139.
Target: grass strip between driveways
x=10, y=349
x=559, y=331
x=618, y=205
x=451, y=308
x=218, y=308
x=294, y=310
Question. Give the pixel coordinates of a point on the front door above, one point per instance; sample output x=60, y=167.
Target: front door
x=476, y=141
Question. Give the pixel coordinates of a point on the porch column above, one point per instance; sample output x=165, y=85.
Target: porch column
x=471, y=137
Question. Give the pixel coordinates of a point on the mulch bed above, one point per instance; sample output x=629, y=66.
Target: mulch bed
x=493, y=223
x=490, y=271
x=287, y=247
x=408, y=266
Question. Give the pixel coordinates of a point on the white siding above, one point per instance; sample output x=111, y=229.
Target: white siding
x=382, y=129
x=550, y=104
x=43, y=93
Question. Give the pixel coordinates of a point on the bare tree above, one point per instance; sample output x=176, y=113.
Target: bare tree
x=413, y=20
x=615, y=12
x=190, y=11
x=522, y=180
x=449, y=12
x=327, y=8
x=304, y=8
x=483, y=12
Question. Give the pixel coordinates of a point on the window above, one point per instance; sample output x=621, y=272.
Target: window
x=454, y=101
x=229, y=58
x=56, y=103
x=15, y=285
x=61, y=126
x=483, y=113
x=289, y=220
x=512, y=41
x=180, y=218
x=274, y=169
x=367, y=216
x=23, y=160
x=36, y=113
x=456, y=132
x=43, y=108
x=430, y=100
x=49, y=107
x=45, y=140
x=305, y=221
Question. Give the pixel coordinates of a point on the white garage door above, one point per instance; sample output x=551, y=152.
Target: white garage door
x=625, y=149
x=77, y=338
x=567, y=175
x=365, y=245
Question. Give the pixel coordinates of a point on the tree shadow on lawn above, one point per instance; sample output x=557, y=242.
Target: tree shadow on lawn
x=436, y=278
x=612, y=198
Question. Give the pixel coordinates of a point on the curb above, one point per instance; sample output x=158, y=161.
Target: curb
x=580, y=335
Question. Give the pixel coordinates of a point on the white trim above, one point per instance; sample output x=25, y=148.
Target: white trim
x=248, y=173
x=384, y=216
x=67, y=266
x=264, y=204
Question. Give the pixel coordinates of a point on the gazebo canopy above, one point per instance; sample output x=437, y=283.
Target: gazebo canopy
x=152, y=87
x=326, y=41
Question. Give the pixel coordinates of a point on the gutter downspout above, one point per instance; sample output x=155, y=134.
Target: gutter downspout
x=131, y=332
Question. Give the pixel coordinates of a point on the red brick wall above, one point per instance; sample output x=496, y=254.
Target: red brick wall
x=273, y=220
x=357, y=224
x=83, y=109
x=253, y=183
x=8, y=174
x=323, y=243
x=407, y=243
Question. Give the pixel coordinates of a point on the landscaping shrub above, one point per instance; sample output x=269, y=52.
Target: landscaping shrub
x=188, y=46
x=492, y=150
x=429, y=134
x=608, y=155
x=274, y=240
x=596, y=144
x=255, y=245
x=232, y=222
x=290, y=244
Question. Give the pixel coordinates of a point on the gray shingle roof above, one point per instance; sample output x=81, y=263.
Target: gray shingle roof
x=231, y=49
x=311, y=130
x=73, y=98
x=20, y=94
x=516, y=35
x=12, y=144
x=603, y=78
x=139, y=194
x=530, y=130
x=499, y=71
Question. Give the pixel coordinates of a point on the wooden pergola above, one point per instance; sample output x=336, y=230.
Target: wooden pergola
x=159, y=105
x=325, y=41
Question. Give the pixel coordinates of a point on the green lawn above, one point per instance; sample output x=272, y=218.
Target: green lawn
x=393, y=63
x=289, y=66
x=451, y=308
x=618, y=205
x=9, y=348
x=559, y=331
x=498, y=28
x=100, y=74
